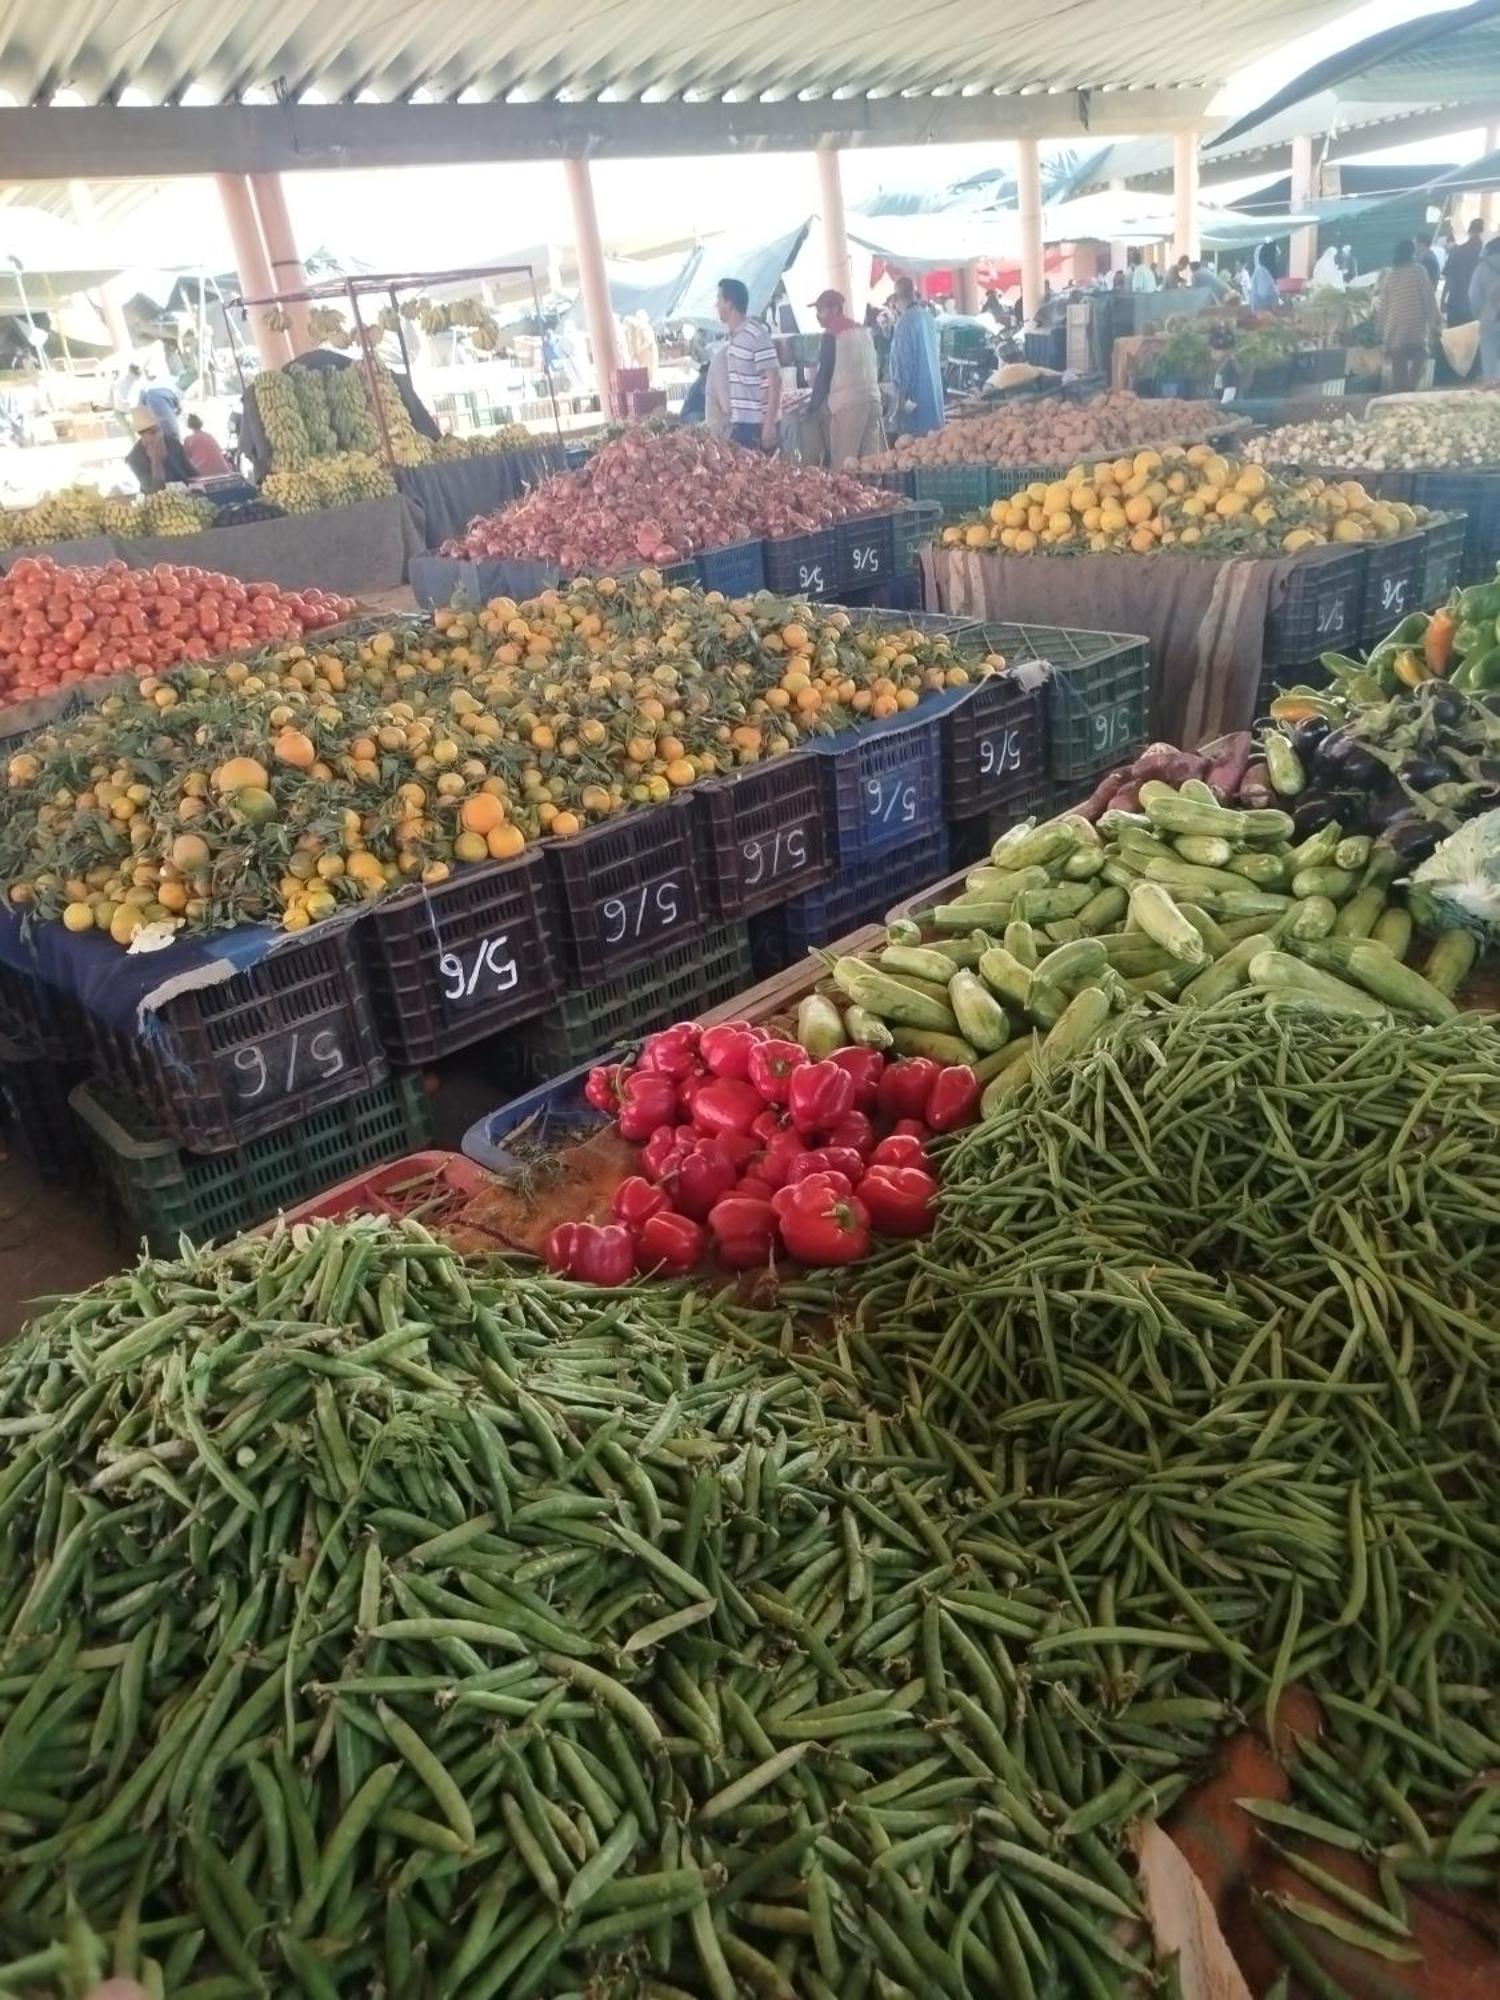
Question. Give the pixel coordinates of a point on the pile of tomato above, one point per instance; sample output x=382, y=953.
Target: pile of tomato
x=752, y=1149
x=59, y=625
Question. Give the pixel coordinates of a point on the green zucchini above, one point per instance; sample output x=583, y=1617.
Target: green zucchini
x=1449, y=962
x=1291, y=979
x=1357, y=918
x=1162, y=921
x=1231, y=969
x=1335, y=883
x=980, y=1017
x=941, y=1048
x=1399, y=985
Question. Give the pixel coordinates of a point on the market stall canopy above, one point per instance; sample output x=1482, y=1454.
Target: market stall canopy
x=1445, y=57
x=332, y=83
x=43, y=258
x=759, y=264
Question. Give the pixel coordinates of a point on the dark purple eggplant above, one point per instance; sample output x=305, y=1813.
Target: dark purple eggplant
x=1343, y=760
x=1316, y=806
x=1422, y=773
x=1306, y=736
x=1443, y=703
x=1413, y=837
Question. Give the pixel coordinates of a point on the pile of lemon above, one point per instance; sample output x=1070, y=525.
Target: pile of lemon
x=1195, y=499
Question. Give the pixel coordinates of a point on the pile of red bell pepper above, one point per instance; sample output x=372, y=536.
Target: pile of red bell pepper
x=750, y=1148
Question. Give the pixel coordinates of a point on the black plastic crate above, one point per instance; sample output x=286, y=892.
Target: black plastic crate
x=1047, y=348
x=682, y=980
x=864, y=551
x=221, y=1064
x=995, y=743
x=161, y=1191
x=970, y=840
x=1322, y=608
x=625, y=891
x=34, y=1113
x=1393, y=584
x=803, y=565
x=857, y=895
x=761, y=835
x=38, y=1019
x=1098, y=694
x=451, y=964
x=912, y=527
x=883, y=783
x=1476, y=495
x=738, y=569
x=1443, y=540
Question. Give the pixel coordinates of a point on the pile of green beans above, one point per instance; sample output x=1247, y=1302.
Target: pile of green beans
x=374, y=1626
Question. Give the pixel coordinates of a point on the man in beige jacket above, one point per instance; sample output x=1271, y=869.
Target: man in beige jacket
x=847, y=384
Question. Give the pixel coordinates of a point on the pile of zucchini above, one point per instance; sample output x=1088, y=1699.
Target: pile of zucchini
x=1184, y=897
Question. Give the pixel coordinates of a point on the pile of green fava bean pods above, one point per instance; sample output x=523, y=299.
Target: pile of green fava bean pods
x=374, y=1624
x=373, y=1627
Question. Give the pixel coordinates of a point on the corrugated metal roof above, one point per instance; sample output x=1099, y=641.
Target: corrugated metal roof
x=630, y=49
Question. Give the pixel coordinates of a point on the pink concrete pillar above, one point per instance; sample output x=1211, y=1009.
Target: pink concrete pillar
x=253, y=266
x=839, y=273
x=593, y=281
x=1029, y=219
x=287, y=272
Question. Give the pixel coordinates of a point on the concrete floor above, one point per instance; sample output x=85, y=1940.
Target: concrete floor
x=52, y=1239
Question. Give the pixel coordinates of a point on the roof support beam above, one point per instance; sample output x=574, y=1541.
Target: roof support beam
x=101, y=142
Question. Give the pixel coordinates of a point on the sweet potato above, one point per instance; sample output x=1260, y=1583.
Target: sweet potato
x=1103, y=794
x=1166, y=763
x=1228, y=760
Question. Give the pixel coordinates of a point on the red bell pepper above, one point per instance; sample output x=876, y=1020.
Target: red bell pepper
x=603, y=1087
x=636, y=1199
x=594, y=1253
x=661, y=1149
x=780, y=1156
x=726, y=1048
x=743, y=1232
x=828, y=1160
x=726, y=1104
x=822, y=1221
x=699, y=1174
x=911, y=1128
x=646, y=1101
x=671, y=1052
x=772, y=1066
x=954, y=1100
x=901, y=1200
x=818, y=1095
x=769, y=1123
x=901, y=1149
x=905, y=1086
x=670, y=1244
x=688, y=1088
x=865, y=1066
x=853, y=1130
x=740, y=1148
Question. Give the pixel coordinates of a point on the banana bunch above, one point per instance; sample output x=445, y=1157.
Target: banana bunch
x=407, y=446
x=327, y=327
x=281, y=414
x=349, y=411
x=482, y=444
x=338, y=481
x=169, y=513
x=59, y=517
x=311, y=390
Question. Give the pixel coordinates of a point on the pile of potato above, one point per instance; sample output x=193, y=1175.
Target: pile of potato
x=1054, y=431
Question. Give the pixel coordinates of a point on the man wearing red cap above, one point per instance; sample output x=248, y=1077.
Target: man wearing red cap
x=847, y=384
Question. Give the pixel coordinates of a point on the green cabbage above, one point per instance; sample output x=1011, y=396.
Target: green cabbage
x=1458, y=886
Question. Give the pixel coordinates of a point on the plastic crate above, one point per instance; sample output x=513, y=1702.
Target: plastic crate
x=220, y=1064
x=554, y=1114
x=897, y=480
x=970, y=840
x=761, y=835
x=864, y=551
x=682, y=980
x=449, y=965
x=803, y=565
x=35, y=1116
x=163, y=1192
x=883, y=783
x=912, y=527
x=995, y=744
x=1047, y=348
x=39, y=1020
x=1098, y=695
x=957, y=489
x=1393, y=584
x=424, y=1185
x=1322, y=608
x=1443, y=541
x=856, y=895
x=626, y=890
x=1476, y=495
x=738, y=569
x=1003, y=482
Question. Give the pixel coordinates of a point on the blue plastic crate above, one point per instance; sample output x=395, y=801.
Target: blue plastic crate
x=554, y=1114
x=739, y=569
x=857, y=895
x=883, y=782
x=803, y=565
x=865, y=551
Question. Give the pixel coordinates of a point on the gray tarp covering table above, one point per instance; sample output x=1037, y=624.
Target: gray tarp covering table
x=84, y=553
x=451, y=492
x=1205, y=620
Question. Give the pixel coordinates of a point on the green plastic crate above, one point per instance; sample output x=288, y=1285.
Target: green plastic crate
x=1005, y=480
x=957, y=489
x=916, y=523
x=163, y=1192
x=674, y=986
x=1099, y=695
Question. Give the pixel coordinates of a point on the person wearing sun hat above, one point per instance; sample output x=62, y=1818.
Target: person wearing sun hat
x=156, y=459
x=847, y=384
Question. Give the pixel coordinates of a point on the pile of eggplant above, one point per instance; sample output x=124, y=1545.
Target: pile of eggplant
x=1410, y=768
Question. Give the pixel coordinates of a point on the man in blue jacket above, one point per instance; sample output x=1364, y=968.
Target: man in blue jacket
x=915, y=367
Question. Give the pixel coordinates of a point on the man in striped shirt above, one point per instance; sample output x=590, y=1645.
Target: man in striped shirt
x=754, y=371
